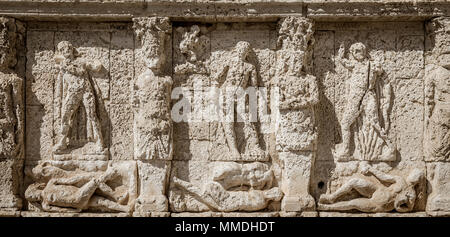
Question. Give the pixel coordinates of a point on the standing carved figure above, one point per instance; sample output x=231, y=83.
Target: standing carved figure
x=437, y=113
x=437, y=94
x=366, y=108
x=237, y=74
x=11, y=116
x=296, y=132
x=151, y=98
x=153, y=127
x=76, y=90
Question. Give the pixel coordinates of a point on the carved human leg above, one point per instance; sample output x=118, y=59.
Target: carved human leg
x=350, y=115
x=103, y=204
x=89, y=104
x=360, y=204
x=198, y=192
x=55, y=194
x=230, y=135
x=71, y=103
x=251, y=136
x=363, y=187
x=68, y=196
x=217, y=198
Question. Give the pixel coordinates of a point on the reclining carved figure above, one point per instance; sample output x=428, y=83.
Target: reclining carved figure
x=228, y=192
x=376, y=197
x=58, y=190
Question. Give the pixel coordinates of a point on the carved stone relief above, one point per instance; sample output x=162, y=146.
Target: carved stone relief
x=437, y=113
x=373, y=195
x=366, y=109
x=70, y=189
x=11, y=114
x=366, y=102
x=152, y=122
x=226, y=67
x=74, y=172
x=236, y=73
x=235, y=187
x=296, y=134
x=76, y=91
x=283, y=115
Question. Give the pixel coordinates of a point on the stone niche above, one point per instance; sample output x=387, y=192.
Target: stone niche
x=332, y=113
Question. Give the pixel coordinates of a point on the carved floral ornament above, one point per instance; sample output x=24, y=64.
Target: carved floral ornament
x=167, y=117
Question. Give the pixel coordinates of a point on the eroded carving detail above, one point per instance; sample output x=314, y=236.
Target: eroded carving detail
x=194, y=48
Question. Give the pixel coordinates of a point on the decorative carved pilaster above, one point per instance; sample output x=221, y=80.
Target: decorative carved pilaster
x=11, y=114
x=153, y=145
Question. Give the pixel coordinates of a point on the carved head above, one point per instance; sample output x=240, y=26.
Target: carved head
x=243, y=49
x=34, y=191
x=155, y=57
x=7, y=43
x=45, y=171
x=258, y=175
x=405, y=200
x=65, y=50
x=358, y=51
x=152, y=33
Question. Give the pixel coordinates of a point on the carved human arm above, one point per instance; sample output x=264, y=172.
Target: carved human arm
x=382, y=176
x=220, y=74
x=343, y=61
x=306, y=98
x=375, y=72
x=47, y=207
x=71, y=180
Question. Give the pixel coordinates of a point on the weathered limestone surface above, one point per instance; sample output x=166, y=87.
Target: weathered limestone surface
x=182, y=108
x=12, y=146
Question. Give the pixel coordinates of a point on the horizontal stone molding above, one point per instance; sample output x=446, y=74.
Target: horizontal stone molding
x=221, y=11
